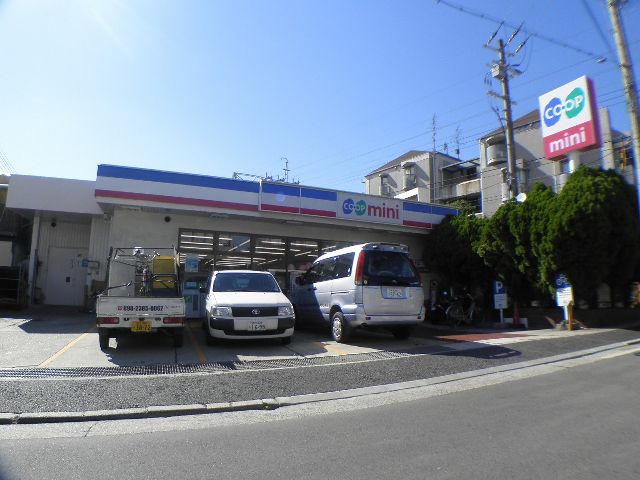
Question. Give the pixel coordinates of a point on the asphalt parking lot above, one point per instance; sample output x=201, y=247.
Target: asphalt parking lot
x=50, y=361
x=51, y=337
x=48, y=338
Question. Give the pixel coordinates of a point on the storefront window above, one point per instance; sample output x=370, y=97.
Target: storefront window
x=286, y=258
x=233, y=243
x=327, y=246
x=269, y=253
x=196, y=247
x=232, y=262
x=196, y=241
x=302, y=253
x=234, y=251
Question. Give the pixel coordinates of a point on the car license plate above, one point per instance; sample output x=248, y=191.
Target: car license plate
x=395, y=293
x=141, y=326
x=257, y=326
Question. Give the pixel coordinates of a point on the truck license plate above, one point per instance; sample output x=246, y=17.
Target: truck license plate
x=395, y=293
x=257, y=326
x=141, y=326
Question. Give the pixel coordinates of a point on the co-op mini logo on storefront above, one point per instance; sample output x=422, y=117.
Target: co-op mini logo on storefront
x=360, y=208
x=571, y=107
x=349, y=206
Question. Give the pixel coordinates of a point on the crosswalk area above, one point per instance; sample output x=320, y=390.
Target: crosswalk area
x=466, y=341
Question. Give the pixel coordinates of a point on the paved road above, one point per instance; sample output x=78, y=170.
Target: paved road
x=578, y=423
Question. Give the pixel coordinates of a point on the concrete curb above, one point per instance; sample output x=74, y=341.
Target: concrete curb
x=278, y=402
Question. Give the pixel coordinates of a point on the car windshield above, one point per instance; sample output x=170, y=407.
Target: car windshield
x=389, y=268
x=245, y=282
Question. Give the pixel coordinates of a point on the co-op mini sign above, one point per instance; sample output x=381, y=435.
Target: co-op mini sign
x=569, y=118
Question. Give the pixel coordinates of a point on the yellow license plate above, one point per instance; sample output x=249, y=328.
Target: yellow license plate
x=141, y=326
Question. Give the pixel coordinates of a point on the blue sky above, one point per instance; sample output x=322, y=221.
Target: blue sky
x=338, y=87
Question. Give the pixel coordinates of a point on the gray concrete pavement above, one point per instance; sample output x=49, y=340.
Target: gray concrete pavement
x=574, y=419
x=61, y=338
x=65, y=338
x=54, y=380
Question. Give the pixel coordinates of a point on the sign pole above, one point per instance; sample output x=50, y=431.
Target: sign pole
x=570, y=319
x=499, y=298
x=564, y=299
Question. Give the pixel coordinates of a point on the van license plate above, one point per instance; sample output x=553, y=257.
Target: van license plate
x=141, y=326
x=395, y=293
x=257, y=326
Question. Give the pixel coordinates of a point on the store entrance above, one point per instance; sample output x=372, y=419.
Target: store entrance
x=285, y=257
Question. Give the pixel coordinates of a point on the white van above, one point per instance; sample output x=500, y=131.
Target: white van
x=368, y=285
x=246, y=304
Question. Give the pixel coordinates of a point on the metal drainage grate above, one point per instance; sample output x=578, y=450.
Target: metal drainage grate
x=212, y=367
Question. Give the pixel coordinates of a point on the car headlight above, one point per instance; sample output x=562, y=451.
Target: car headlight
x=221, y=312
x=286, y=311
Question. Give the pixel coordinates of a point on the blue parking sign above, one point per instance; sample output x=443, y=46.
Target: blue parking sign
x=498, y=287
x=564, y=292
x=562, y=281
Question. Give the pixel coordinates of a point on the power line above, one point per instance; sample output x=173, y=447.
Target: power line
x=531, y=33
x=313, y=164
x=598, y=28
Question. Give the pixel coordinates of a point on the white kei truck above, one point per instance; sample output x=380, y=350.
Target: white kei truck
x=143, y=295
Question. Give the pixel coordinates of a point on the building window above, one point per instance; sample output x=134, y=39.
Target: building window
x=563, y=165
x=385, y=186
x=409, y=177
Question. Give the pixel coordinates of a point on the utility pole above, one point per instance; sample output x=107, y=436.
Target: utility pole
x=432, y=174
x=502, y=71
x=629, y=86
x=503, y=76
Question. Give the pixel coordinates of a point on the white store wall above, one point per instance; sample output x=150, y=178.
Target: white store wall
x=68, y=257
x=64, y=235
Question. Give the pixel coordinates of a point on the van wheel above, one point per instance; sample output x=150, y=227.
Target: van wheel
x=340, y=330
x=103, y=340
x=401, y=333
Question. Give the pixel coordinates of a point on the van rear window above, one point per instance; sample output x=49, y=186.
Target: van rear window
x=389, y=268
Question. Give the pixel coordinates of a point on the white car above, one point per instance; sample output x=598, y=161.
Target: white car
x=247, y=304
